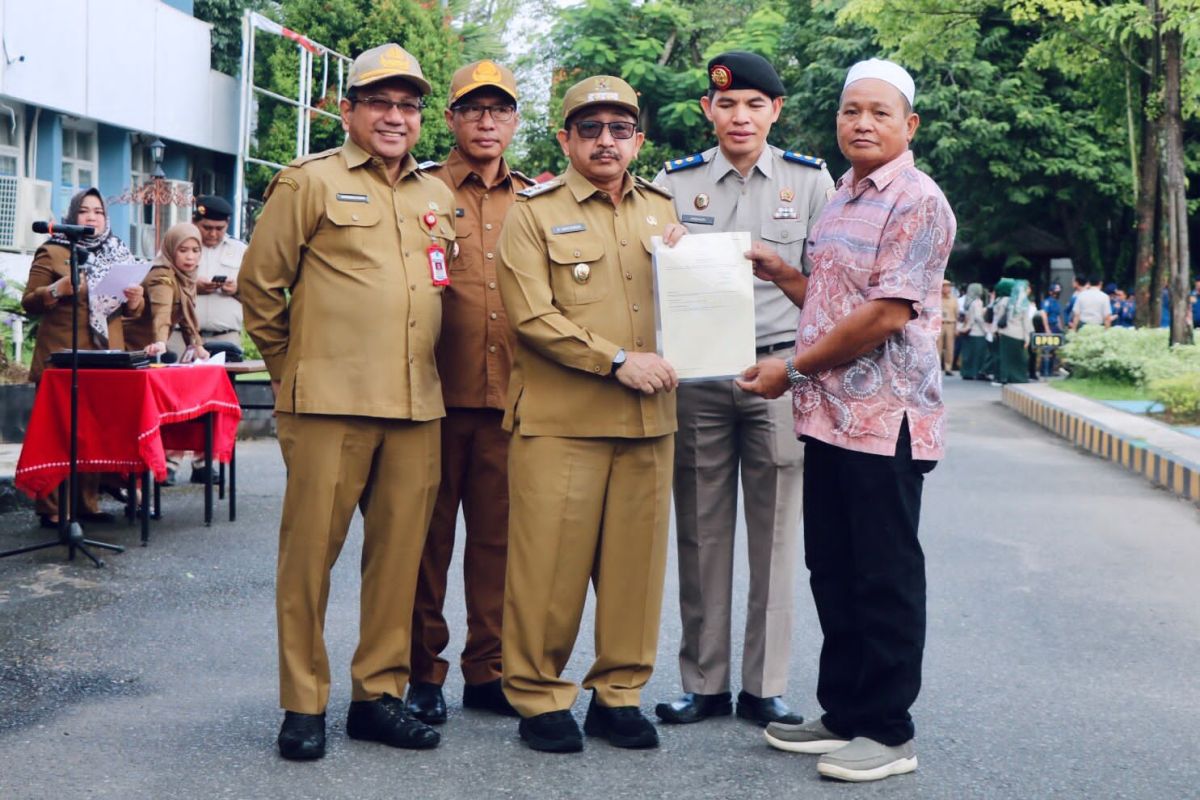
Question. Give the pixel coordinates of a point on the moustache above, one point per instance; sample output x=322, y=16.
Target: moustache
x=605, y=152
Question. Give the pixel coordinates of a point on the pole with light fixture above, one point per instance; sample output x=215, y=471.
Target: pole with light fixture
x=157, y=151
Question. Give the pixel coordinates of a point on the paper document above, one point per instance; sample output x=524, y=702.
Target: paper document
x=121, y=276
x=704, y=290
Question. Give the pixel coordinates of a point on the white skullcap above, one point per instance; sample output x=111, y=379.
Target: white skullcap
x=887, y=71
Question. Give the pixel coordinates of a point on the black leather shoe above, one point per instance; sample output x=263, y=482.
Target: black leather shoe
x=44, y=521
x=200, y=475
x=302, y=737
x=694, y=707
x=426, y=703
x=488, y=697
x=385, y=720
x=170, y=481
x=96, y=516
x=764, y=710
x=552, y=732
x=623, y=726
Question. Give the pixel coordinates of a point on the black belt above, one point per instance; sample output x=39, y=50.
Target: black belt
x=217, y=333
x=773, y=348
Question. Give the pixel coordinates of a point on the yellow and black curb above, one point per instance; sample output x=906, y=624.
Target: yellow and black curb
x=1159, y=464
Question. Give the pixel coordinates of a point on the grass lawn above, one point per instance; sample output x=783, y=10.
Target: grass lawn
x=1101, y=389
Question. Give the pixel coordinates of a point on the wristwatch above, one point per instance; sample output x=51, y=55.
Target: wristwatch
x=54, y=290
x=795, y=377
x=618, y=360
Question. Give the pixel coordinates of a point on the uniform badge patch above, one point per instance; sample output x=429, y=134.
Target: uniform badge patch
x=581, y=273
x=787, y=195
x=651, y=220
x=700, y=201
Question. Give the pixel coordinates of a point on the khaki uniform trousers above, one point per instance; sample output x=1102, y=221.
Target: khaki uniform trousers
x=389, y=469
x=475, y=473
x=584, y=509
x=946, y=344
x=722, y=428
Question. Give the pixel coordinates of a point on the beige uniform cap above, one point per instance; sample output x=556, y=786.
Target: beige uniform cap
x=600, y=90
x=383, y=62
x=479, y=74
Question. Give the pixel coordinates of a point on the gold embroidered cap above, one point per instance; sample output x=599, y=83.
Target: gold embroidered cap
x=479, y=74
x=383, y=62
x=600, y=90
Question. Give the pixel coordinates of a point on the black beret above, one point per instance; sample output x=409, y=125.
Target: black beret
x=210, y=206
x=738, y=69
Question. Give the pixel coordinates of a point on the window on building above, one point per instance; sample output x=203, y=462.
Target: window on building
x=79, y=158
x=141, y=217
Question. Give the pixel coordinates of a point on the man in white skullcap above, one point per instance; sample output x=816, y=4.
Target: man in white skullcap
x=867, y=391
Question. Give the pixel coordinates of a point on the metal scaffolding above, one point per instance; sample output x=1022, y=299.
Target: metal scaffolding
x=334, y=67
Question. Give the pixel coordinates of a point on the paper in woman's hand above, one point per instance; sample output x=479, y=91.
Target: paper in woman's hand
x=121, y=276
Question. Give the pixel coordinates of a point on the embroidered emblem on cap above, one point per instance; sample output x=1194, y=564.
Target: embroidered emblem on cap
x=486, y=72
x=601, y=84
x=700, y=201
x=787, y=195
x=394, y=58
x=721, y=76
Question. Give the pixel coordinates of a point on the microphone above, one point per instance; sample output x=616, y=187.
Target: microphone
x=65, y=230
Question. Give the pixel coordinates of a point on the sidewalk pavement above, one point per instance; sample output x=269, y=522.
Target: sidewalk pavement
x=1166, y=457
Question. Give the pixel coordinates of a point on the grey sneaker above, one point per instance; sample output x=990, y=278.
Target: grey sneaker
x=809, y=737
x=867, y=760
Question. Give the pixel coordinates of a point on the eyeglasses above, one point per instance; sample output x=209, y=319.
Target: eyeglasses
x=591, y=129
x=473, y=113
x=382, y=105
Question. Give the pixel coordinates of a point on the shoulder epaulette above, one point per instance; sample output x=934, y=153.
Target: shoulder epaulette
x=523, y=177
x=429, y=164
x=302, y=160
x=652, y=186
x=541, y=188
x=677, y=164
x=800, y=158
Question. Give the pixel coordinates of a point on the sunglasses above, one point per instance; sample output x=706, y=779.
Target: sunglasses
x=591, y=129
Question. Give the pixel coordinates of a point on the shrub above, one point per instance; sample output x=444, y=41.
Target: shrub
x=1179, y=395
x=1133, y=356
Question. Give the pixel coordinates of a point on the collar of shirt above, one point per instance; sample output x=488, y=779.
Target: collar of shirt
x=582, y=188
x=881, y=177
x=720, y=166
x=460, y=170
x=355, y=156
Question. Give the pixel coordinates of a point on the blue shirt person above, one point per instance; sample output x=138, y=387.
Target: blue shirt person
x=1053, y=309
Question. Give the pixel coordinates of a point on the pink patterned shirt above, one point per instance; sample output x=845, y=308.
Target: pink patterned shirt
x=888, y=236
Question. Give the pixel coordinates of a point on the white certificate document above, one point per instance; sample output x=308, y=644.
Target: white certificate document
x=704, y=291
x=119, y=276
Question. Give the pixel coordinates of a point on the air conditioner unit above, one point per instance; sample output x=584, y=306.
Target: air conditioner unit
x=33, y=204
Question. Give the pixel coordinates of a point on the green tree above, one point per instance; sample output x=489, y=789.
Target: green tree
x=225, y=16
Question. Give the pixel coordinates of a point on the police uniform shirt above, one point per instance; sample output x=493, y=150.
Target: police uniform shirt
x=577, y=282
x=475, y=352
x=778, y=202
x=218, y=312
x=352, y=248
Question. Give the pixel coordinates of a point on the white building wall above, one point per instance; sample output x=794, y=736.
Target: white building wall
x=137, y=64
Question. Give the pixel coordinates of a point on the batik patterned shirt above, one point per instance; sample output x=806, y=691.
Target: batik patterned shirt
x=886, y=237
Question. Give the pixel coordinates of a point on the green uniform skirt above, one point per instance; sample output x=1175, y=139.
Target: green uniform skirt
x=973, y=357
x=1014, y=361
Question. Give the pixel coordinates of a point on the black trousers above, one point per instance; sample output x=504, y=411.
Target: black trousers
x=867, y=573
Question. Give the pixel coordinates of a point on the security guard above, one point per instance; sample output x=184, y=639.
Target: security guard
x=474, y=358
x=342, y=288
x=743, y=184
x=592, y=413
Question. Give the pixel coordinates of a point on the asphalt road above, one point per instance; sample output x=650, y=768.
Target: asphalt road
x=1064, y=640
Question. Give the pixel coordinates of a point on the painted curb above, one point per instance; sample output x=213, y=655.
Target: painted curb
x=1162, y=468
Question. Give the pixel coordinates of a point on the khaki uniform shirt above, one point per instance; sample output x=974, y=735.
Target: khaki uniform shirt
x=357, y=335
x=577, y=282
x=475, y=352
x=166, y=306
x=778, y=202
x=219, y=312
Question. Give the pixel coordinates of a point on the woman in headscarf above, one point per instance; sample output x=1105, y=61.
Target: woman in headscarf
x=48, y=293
x=1014, y=326
x=171, y=289
x=974, y=346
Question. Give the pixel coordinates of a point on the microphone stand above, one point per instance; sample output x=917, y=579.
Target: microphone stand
x=70, y=532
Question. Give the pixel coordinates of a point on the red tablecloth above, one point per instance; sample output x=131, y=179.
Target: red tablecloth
x=127, y=420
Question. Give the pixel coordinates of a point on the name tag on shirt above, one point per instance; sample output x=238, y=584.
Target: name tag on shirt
x=785, y=212
x=351, y=198
x=574, y=227
x=697, y=219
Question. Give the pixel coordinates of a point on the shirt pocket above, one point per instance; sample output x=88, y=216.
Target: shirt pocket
x=577, y=274
x=465, y=257
x=349, y=234
x=787, y=237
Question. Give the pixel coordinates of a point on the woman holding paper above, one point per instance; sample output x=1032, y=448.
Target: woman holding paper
x=47, y=294
x=171, y=286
